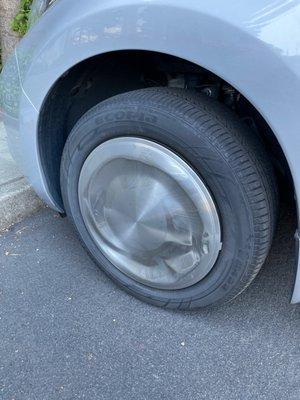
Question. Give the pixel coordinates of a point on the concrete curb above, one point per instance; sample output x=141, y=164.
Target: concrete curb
x=17, y=201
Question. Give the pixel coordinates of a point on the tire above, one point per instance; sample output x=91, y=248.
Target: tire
x=227, y=156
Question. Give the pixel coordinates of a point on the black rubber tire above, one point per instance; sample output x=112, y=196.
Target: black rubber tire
x=227, y=155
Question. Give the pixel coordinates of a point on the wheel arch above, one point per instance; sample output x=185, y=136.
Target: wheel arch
x=58, y=115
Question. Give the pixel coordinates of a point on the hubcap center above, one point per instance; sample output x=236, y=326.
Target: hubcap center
x=138, y=222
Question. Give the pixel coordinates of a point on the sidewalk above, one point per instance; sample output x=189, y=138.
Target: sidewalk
x=17, y=199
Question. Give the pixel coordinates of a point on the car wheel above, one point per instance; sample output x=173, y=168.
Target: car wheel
x=172, y=195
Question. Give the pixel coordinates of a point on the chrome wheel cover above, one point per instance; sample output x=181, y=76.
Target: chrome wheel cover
x=149, y=213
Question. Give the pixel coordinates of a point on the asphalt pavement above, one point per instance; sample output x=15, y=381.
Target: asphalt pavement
x=67, y=332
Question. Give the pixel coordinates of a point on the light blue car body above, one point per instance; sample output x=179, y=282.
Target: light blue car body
x=253, y=45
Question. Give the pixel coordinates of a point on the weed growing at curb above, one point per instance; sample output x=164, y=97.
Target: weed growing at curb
x=20, y=23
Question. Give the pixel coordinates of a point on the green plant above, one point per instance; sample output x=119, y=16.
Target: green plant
x=20, y=23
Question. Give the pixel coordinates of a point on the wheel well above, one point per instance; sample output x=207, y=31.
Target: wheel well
x=107, y=75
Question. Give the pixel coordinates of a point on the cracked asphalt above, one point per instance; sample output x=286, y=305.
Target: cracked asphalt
x=67, y=332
